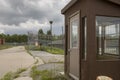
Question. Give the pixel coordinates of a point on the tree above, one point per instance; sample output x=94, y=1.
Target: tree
x=49, y=32
x=49, y=35
x=24, y=38
x=40, y=32
x=2, y=35
x=14, y=38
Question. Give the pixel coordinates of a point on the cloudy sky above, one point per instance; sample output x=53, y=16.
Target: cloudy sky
x=21, y=16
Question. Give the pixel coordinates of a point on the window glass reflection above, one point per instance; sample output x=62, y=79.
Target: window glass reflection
x=108, y=30
x=74, y=33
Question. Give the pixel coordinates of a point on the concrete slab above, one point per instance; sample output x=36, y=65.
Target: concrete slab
x=47, y=57
x=23, y=78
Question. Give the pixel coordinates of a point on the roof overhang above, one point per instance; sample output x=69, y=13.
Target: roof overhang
x=115, y=1
x=68, y=6
x=72, y=2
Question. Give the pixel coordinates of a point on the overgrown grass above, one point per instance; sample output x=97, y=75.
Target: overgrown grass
x=52, y=50
x=20, y=70
x=8, y=76
x=5, y=46
x=45, y=75
x=13, y=75
x=27, y=49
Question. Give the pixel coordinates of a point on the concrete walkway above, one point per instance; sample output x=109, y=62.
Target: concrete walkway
x=14, y=58
x=23, y=78
x=51, y=61
x=47, y=57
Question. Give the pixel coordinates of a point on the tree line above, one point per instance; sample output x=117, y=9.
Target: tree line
x=14, y=38
x=48, y=35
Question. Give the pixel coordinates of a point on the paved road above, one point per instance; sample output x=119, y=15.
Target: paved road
x=14, y=58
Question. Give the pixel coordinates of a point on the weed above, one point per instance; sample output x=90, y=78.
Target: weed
x=8, y=76
x=5, y=46
x=13, y=75
x=52, y=50
x=45, y=75
x=27, y=49
x=20, y=70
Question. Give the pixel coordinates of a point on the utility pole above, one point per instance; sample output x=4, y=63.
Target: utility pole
x=51, y=22
x=62, y=38
x=28, y=40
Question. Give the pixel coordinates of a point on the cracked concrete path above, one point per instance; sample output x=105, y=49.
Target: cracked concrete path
x=47, y=57
x=23, y=78
x=14, y=58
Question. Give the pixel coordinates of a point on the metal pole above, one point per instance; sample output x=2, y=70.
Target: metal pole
x=62, y=38
x=51, y=22
x=28, y=40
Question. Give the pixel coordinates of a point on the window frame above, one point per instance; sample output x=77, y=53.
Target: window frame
x=97, y=44
x=84, y=40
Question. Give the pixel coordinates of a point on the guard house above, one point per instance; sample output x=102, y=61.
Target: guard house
x=92, y=39
x=2, y=41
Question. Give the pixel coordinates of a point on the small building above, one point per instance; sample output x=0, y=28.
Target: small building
x=92, y=39
x=2, y=41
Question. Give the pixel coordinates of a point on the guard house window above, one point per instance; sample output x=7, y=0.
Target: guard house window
x=84, y=25
x=108, y=37
x=74, y=33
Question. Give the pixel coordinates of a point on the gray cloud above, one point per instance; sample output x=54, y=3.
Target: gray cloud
x=14, y=12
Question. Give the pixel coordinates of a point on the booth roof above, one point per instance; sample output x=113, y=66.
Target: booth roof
x=115, y=1
x=74, y=1
x=68, y=5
